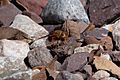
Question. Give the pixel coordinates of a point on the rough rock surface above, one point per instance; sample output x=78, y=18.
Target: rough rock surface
x=87, y=48
x=35, y=6
x=116, y=33
x=75, y=62
x=12, y=54
x=115, y=55
x=39, y=57
x=101, y=74
x=103, y=11
x=8, y=13
x=65, y=75
x=28, y=26
x=33, y=16
x=56, y=11
x=38, y=43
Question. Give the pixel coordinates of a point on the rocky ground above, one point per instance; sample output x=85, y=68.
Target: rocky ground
x=59, y=40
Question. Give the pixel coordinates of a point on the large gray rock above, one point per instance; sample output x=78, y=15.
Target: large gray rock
x=65, y=75
x=12, y=54
x=39, y=57
x=28, y=26
x=57, y=11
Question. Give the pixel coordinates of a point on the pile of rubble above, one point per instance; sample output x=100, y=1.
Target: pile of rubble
x=59, y=40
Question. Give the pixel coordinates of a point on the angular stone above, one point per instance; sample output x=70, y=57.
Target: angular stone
x=75, y=62
x=39, y=43
x=14, y=48
x=8, y=13
x=74, y=28
x=107, y=43
x=35, y=6
x=65, y=75
x=97, y=33
x=56, y=11
x=116, y=34
x=87, y=48
x=101, y=74
x=84, y=2
x=104, y=64
x=12, y=54
x=115, y=55
x=88, y=69
x=28, y=26
x=102, y=12
x=39, y=57
x=33, y=16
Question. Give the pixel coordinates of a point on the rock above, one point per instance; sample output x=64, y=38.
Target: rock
x=20, y=75
x=88, y=69
x=75, y=62
x=28, y=26
x=91, y=40
x=116, y=33
x=33, y=16
x=12, y=54
x=39, y=57
x=14, y=49
x=50, y=28
x=65, y=75
x=84, y=2
x=115, y=55
x=97, y=33
x=74, y=28
x=108, y=27
x=35, y=6
x=56, y=11
x=39, y=43
x=62, y=50
x=107, y=43
x=102, y=12
x=39, y=75
x=8, y=13
x=101, y=74
x=87, y=48
x=1, y=24
x=104, y=64
x=109, y=78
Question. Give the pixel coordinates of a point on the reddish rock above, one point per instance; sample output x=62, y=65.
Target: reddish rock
x=35, y=6
x=106, y=42
x=75, y=62
x=8, y=13
x=103, y=11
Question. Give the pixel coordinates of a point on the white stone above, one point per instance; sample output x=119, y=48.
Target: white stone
x=28, y=26
x=14, y=48
x=12, y=55
x=101, y=74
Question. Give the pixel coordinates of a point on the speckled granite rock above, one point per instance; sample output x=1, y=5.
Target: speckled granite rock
x=39, y=57
x=56, y=11
x=12, y=54
x=28, y=26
